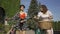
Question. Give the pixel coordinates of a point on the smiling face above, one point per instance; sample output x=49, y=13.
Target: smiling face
x=21, y=8
x=43, y=9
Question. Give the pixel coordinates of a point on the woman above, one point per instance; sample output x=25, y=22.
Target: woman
x=20, y=18
x=46, y=17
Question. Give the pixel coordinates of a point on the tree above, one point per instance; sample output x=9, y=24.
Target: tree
x=10, y=6
x=39, y=5
x=33, y=11
x=2, y=15
x=33, y=8
x=56, y=25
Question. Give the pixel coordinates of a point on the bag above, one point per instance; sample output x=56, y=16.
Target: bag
x=45, y=25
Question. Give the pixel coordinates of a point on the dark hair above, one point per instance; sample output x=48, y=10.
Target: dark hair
x=21, y=6
x=43, y=6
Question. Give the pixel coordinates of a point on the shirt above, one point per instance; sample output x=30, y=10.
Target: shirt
x=45, y=17
x=22, y=15
x=16, y=17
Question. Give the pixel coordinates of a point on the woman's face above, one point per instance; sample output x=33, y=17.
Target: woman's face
x=22, y=8
x=44, y=10
x=41, y=9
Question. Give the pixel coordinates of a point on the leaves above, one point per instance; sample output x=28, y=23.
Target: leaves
x=33, y=8
x=32, y=23
x=10, y=6
x=33, y=11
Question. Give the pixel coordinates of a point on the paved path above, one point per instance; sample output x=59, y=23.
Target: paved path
x=30, y=32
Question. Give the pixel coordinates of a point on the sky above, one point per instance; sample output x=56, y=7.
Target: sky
x=52, y=5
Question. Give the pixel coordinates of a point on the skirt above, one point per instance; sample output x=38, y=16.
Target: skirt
x=45, y=24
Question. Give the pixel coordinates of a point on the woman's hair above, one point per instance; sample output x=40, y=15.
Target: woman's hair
x=21, y=6
x=44, y=8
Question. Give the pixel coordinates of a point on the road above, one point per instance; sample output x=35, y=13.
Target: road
x=30, y=32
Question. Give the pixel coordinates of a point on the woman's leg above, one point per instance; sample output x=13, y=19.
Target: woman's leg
x=24, y=32
x=21, y=32
x=50, y=31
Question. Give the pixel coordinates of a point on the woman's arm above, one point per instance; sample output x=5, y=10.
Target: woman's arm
x=50, y=15
x=15, y=17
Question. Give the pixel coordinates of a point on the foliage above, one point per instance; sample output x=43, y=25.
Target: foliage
x=32, y=23
x=32, y=11
x=33, y=8
x=56, y=25
x=10, y=6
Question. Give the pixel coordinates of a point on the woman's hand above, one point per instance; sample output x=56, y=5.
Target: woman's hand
x=23, y=21
x=36, y=17
x=50, y=17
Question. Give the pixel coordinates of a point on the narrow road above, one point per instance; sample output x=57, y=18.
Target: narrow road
x=30, y=32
